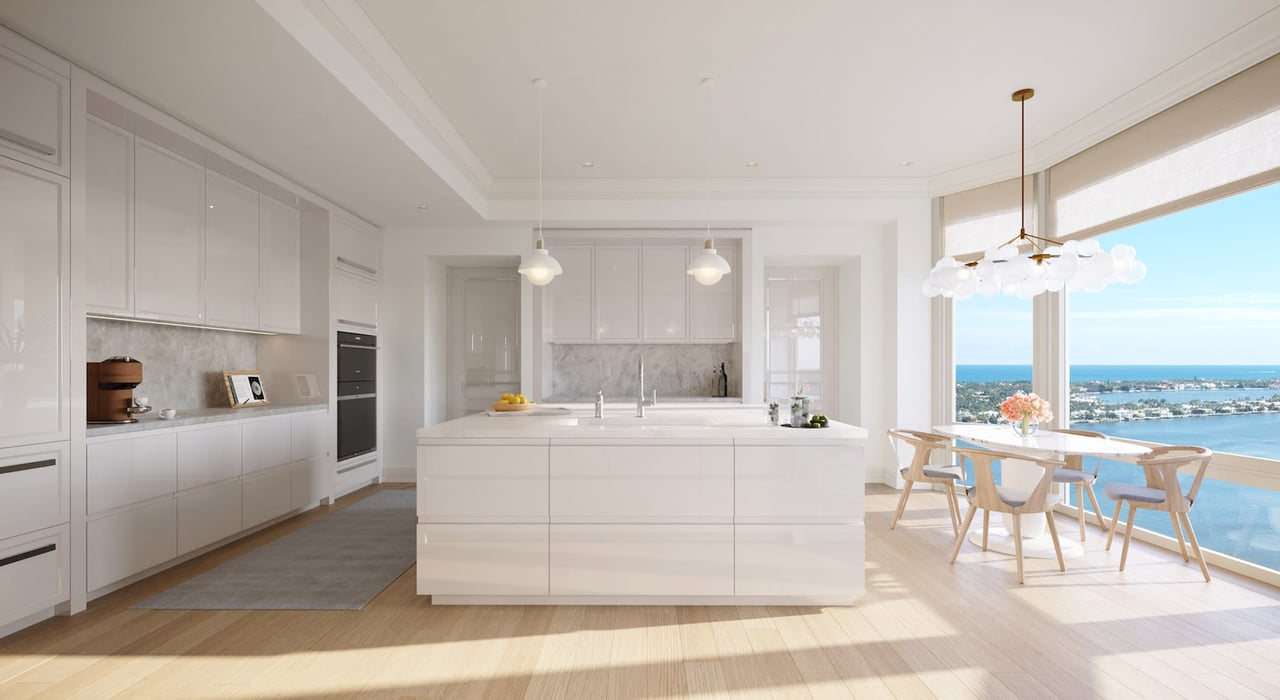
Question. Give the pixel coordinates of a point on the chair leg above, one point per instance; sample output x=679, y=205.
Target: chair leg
x=1093, y=498
x=1177, y=530
x=1128, y=534
x=1080, y=507
x=951, y=509
x=955, y=501
x=986, y=522
x=1017, y=542
x=1053, y=532
x=964, y=530
x=1115, y=520
x=1195, y=545
x=902, y=503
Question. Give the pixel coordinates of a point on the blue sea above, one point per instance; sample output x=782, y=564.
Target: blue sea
x=1241, y=521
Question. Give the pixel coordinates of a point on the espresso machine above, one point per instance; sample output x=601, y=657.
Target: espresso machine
x=109, y=390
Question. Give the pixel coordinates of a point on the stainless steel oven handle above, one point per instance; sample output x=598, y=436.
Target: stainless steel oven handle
x=357, y=396
x=361, y=324
x=358, y=347
x=351, y=263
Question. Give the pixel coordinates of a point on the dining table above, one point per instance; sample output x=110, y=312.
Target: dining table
x=1063, y=448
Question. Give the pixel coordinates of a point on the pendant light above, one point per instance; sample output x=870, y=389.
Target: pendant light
x=1045, y=266
x=707, y=267
x=538, y=266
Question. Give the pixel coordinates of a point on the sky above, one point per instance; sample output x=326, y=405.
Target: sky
x=1211, y=296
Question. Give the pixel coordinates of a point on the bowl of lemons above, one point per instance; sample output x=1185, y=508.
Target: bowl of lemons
x=513, y=402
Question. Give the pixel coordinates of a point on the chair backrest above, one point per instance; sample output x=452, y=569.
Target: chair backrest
x=923, y=444
x=1077, y=461
x=1161, y=467
x=985, y=494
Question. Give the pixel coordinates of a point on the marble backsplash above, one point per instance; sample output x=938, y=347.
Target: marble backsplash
x=579, y=371
x=181, y=367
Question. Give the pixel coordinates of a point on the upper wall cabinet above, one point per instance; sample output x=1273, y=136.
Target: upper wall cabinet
x=355, y=301
x=168, y=235
x=280, y=267
x=663, y=286
x=34, y=116
x=108, y=233
x=569, y=305
x=355, y=247
x=617, y=293
x=714, y=310
x=231, y=255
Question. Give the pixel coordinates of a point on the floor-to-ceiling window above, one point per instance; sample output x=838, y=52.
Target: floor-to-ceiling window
x=992, y=355
x=800, y=351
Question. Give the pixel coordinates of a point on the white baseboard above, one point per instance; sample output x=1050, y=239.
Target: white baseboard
x=399, y=475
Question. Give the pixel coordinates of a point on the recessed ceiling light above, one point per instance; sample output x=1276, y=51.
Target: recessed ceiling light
x=210, y=206
x=752, y=164
x=424, y=206
x=906, y=163
x=587, y=164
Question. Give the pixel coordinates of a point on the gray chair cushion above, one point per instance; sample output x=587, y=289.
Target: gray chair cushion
x=1014, y=497
x=1072, y=476
x=1134, y=492
x=938, y=471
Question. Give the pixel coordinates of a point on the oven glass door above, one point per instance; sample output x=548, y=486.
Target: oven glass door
x=357, y=426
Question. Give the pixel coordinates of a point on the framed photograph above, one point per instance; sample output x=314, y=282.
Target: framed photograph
x=245, y=389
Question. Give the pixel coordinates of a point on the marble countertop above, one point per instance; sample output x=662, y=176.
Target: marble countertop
x=621, y=400
x=197, y=416
x=742, y=424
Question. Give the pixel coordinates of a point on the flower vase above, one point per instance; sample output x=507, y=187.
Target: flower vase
x=1025, y=427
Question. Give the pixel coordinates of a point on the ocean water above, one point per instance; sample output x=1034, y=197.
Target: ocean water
x=1237, y=520
x=1178, y=397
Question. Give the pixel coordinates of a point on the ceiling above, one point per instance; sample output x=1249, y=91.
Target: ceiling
x=380, y=105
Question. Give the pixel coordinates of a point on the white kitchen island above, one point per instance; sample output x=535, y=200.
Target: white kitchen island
x=690, y=505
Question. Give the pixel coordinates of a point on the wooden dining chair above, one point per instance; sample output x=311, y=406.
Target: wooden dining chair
x=1163, y=492
x=1072, y=473
x=921, y=469
x=991, y=497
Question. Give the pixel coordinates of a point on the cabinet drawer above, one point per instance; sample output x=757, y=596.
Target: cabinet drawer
x=311, y=433
x=123, y=544
x=208, y=514
x=641, y=560
x=354, y=474
x=641, y=484
x=131, y=470
x=267, y=444
x=33, y=573
x=483, y=484
x=34, y=121
x=482, y=559
x=798, y=484
x=309, y=481
x=207, y=455
x=266, y=495
x=799, y=560
x=34, y=492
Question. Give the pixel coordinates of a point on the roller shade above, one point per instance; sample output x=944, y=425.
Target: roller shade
x=986, y=216
x=1223, y=140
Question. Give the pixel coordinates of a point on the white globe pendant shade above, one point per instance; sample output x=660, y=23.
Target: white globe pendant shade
x=539, y=267
x=708, y=267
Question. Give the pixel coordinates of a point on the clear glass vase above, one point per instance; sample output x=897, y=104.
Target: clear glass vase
x=1025, y=427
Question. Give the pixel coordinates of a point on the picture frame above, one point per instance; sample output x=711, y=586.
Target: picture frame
x=245, y=388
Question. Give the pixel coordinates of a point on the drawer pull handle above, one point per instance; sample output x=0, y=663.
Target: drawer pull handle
x=27, y=143
x=350, y=263
x=28, y=465
x=361, y=324
x=27, y=555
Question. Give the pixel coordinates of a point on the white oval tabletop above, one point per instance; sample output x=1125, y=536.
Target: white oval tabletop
x=1043, y=441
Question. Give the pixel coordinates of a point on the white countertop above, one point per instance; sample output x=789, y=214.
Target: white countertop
x=664, y=422
x=197, y=416
x=1042, y=442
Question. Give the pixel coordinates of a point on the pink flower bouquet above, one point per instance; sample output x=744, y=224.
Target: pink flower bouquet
x=1022, y=409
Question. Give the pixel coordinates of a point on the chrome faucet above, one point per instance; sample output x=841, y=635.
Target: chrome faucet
x=599, y=404
x=641, y=401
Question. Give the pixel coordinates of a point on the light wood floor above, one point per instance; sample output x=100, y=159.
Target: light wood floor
x=924, y=629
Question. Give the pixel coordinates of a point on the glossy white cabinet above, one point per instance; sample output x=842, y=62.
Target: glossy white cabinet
x=208, y=514
x=230, y=253
x=309, y=435
x=33, y=572
x=355, y=247
x=799, y=560
x=482, y=559
x=714, y=310
x=664, y=286
x=108, y=235
x=207, y=455
x=310, y=481
x=130, y=469
x=642, y=560
x=267, y=443
x=490, y=484
x=654, y=484
x=168, y=235
x=798, y=484
x=265, y=495
x=34, y=267
x=569, y=296
x=355, y=301
x=34, y=488
x=125, y=543
x=279, y=267
x=617, y=293
x=34, y=112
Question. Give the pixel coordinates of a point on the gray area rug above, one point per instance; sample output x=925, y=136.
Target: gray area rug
x=337, y=563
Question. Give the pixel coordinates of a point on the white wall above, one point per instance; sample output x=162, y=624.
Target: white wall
x=883, y=318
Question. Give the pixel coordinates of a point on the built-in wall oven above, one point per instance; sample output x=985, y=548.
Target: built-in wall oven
x=357, y=395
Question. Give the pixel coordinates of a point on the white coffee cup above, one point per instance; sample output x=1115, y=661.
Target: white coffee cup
x=141, y=401
x=167, y=413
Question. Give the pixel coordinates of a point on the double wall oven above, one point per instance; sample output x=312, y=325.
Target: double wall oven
x=357, y=395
